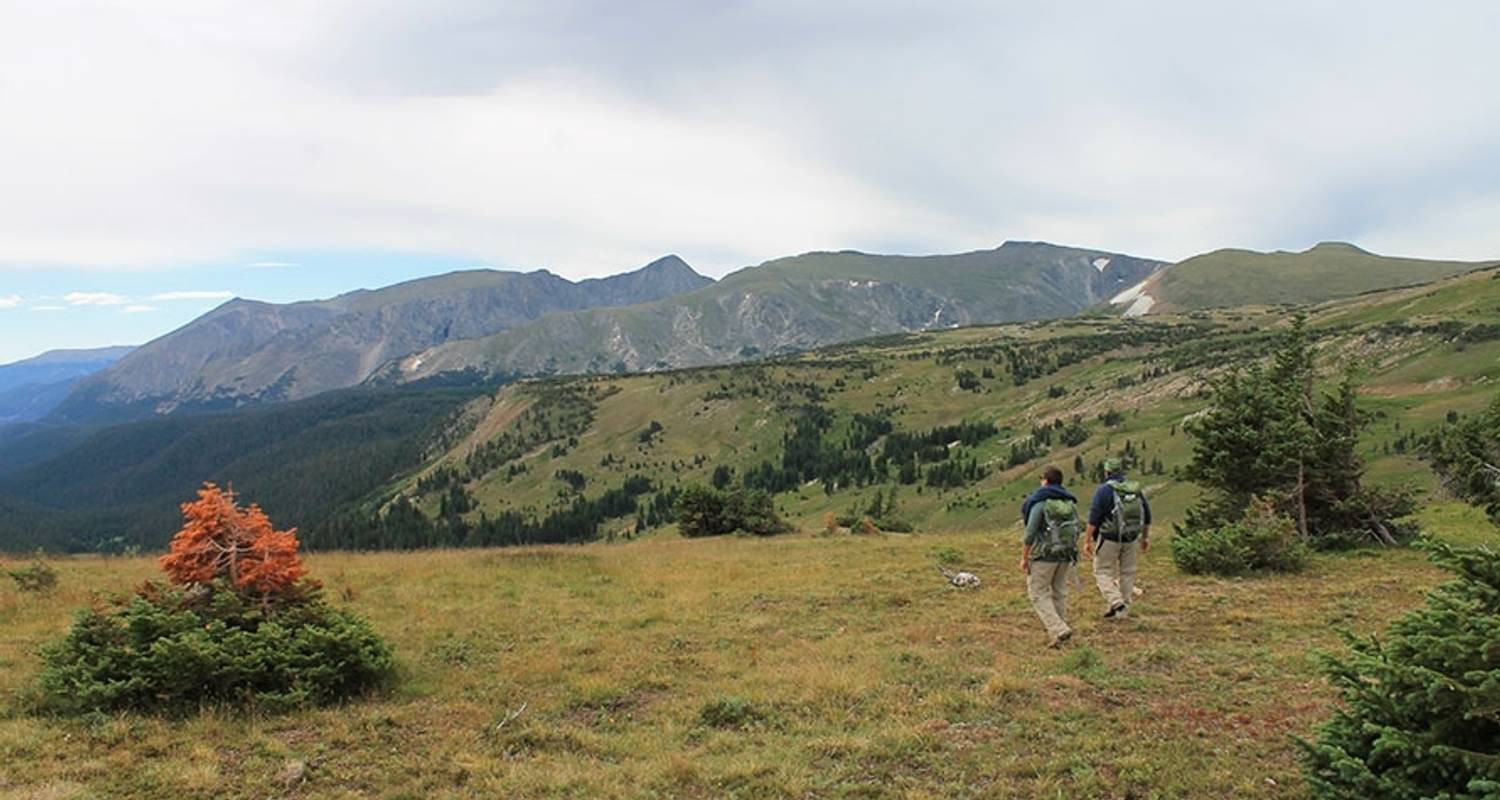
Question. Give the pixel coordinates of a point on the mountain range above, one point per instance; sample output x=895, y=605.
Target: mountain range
x=246, y=352
x=486, y=324
x=947, y=427
x=31, y=388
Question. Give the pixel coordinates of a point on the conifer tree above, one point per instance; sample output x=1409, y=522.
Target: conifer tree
x=1267, y=433
x=1422, y=706
x=220, y=540
x=1466, y=454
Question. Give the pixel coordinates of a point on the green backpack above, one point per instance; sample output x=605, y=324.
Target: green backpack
x=1061, y=542
x=1129, y=515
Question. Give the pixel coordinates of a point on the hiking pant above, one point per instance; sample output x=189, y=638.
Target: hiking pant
x=1047, y=586
x=1114, y=570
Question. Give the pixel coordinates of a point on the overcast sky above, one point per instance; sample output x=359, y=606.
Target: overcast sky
x=158, y=156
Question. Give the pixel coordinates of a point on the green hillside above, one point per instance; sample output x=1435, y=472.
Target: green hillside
x=1064, y=392
x=1231, y=277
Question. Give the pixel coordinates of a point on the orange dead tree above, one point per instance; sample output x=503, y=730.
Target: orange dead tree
x=220, y=540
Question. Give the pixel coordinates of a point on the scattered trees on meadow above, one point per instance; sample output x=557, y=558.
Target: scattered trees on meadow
x=1420, y=712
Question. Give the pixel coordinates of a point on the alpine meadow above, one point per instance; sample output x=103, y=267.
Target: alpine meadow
x=753, y=400
x=564, y=619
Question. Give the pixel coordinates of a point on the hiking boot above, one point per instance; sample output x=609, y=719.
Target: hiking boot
x=1061, y=637
x=1116, y=610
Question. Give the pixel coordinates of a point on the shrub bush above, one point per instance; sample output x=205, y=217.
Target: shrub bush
x=240, y=625
x=704, y=511
x=730, y=713
x=172, y=650
x=1420, y=718
x=38, y=577
x=1263, y=541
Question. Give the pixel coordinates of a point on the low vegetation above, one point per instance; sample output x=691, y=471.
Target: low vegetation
x=1264, y=540
x=237, y=624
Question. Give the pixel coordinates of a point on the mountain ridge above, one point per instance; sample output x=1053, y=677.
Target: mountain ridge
x=248, y=351
x=799, y=302
x=32, y=387
x=1328, y=270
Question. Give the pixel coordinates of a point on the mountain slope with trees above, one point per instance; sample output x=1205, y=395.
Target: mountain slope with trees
x=878, y=428
x=937, y=430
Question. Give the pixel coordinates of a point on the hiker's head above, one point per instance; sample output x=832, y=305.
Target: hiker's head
x=1112, y=466
x=1052, y=476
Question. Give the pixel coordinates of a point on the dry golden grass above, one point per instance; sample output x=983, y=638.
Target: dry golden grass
x=803, y=666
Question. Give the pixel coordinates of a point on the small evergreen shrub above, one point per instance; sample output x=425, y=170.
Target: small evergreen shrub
x=1263, y=541
x=171, y=650
x=1420, y=707
x=238, y=624
x=38, y=577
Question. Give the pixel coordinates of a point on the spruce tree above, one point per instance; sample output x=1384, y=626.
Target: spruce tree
x=1422, y=707
x=1268, y=433
x=1466, y=454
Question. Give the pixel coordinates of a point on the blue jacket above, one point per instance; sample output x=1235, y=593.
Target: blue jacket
x=1042, y=495
x=1103, y=504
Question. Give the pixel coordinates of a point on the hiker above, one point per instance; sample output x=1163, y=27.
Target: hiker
x=1049, y=552
x=1120, y=521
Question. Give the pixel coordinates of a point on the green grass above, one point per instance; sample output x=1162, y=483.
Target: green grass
x=800, y=666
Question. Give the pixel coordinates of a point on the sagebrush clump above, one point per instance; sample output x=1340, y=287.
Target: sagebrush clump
x=238, y=623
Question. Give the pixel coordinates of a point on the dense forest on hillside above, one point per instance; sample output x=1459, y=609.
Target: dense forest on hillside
x=119, y=487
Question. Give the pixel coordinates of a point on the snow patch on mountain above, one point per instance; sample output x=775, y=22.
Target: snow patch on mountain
x=1136, y=296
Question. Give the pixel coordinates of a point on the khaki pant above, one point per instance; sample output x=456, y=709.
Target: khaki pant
x=1047, y=586
x=1114, y=570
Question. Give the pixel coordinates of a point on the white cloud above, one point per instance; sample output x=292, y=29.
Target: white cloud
x=11, y=301
x=272, y=264
x=137, y=309
x=561, y=134
x=94, y=299
x=191, y=295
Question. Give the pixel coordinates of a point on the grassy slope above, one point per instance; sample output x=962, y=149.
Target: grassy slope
x=1232, y=277
x=871, y=677
x=1414, y=376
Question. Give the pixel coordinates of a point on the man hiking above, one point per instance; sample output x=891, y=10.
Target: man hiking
x=1120, y=521
x=1049, y=551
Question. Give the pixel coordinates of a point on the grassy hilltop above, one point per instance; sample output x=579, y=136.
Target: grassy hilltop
x=1233, y=277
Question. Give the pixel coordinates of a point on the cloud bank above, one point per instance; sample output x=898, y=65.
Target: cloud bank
x=589, y=137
